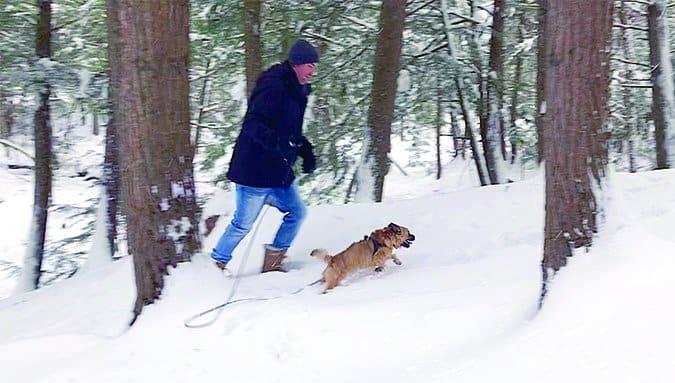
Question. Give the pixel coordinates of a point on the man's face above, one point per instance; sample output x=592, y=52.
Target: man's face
x=304, y=72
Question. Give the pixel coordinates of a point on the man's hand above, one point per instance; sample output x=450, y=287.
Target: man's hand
x=309, y=163
x=306, y=151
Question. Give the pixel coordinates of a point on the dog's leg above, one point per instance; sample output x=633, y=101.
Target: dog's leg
x=395, y=259
x=332, y=278
x=380, y=258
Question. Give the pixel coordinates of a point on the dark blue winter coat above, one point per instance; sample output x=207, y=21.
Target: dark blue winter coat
x=271, y=136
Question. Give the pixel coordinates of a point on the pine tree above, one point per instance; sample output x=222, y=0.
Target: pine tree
x=577, y=37
x=149, y=47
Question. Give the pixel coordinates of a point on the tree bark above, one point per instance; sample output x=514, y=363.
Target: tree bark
x=148, y=49
x=383, y=95
x=630, y=115
x=439, y=125
x=111, y=179
x=541, y=78
x=457, y=140
x=30, y=276
x=663, y=104
x=496, y=126
x=516, y=89
x=577, y=36
x=6, y=114
x=252, y=43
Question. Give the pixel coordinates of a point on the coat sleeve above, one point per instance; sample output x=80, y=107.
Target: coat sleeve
x=265, y=106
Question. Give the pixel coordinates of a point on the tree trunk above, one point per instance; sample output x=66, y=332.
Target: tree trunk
x=463, y=102
x=541, y=78
x=375, y=164
x=488, y=135
x=577, y=39
x=439, y=125
x=495, y=96
x=515, y=100
x=30, y=275
x=95, y=124
x=662, y=84
x=6, y=114
x=252, y=43
x=148, y=51
x=111, y=179
x=630, y=114
x=457, y=141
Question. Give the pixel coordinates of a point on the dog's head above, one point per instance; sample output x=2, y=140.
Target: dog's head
x=393, y=236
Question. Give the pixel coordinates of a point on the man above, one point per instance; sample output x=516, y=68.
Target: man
x=262, y=162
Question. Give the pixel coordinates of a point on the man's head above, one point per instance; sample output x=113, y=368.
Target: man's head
x=304, y=60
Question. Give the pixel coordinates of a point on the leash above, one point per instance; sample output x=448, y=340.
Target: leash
x=189, y=322
x=218, y=309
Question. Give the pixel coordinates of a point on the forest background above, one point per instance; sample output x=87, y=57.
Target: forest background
x=469, y=86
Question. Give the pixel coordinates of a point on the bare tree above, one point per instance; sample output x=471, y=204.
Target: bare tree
x=577, y=37
x=30, y=274
x=375, y=162
x=148, y=49
x=663, y=104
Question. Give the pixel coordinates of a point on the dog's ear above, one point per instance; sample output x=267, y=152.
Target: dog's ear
x=394, y=227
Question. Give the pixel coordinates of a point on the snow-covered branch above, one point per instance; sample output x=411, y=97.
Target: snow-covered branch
x=16, y=147
x=625, y=26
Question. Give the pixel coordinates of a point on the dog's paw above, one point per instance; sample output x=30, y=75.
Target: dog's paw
x=398, y=262
x=379, y=269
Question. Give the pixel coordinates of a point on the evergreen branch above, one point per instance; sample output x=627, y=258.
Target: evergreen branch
x=345, y=63
x=359, y=22
x=420, y=7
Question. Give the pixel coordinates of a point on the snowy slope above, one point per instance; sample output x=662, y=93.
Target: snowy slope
x=461, y=308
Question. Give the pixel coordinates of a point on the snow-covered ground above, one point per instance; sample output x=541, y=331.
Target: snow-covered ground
x=461, y=308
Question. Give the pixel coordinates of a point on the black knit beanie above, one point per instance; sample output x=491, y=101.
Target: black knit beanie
x=302, y=52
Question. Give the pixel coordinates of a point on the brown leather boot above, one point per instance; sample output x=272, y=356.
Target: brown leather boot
x=273, y=259
x=223, y=267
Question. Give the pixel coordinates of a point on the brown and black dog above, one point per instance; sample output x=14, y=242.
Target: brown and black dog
x=370, y=252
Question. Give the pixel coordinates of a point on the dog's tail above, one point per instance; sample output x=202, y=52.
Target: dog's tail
x=321, y=254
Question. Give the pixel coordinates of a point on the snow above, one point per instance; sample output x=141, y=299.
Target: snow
x=461, y=308
x=100, y=253
x=365, y=175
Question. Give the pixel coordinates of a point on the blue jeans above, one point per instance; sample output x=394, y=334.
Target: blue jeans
x=249, y=203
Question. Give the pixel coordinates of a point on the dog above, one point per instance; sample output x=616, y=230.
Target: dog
x=370, y=252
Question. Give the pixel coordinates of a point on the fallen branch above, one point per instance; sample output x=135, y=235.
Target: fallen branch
x=397, y=165
x=17, y=147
